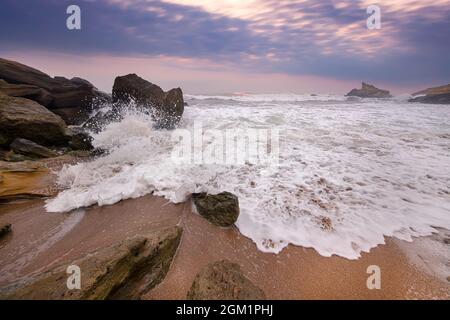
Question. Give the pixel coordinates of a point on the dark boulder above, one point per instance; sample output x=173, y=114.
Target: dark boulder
x=166, y=107
x=369, y=91
x=221, y=209
x=23, y=118
x=126, y=270
x=31, y=149
x=53, y=93
x=223, y=280
x=5, y=228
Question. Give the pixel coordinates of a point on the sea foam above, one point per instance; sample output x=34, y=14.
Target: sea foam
x=350, y=171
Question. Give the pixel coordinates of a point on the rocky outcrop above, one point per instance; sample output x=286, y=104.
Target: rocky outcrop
x=165, y=107
x=80, y=139
x=369, y=91
x=221, y=209
x=31, y=92
x=223, y=280
x=75, y=96
x=5, y=229
x=124, y=271
x=436, y=95
x=24, y=118
x=30, y=149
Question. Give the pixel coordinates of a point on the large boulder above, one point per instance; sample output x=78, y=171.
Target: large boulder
x=24, y=118
x=221, y=209
x=223, y=280
x=127, y=270
x=369, y=91
x=435, y=95
x=54, y=93
x=166, y=107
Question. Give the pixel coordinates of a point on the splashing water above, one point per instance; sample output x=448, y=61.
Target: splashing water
x=350, y=171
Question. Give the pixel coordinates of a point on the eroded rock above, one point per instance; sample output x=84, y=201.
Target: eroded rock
x=221, y=209
x=369, y=91
x=436, y=95
x=23, y=118
x=223, y=280
x=75, y=96
x=31, y=149
x=165, y=107
x=124, y=271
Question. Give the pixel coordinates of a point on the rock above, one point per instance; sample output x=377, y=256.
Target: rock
x=31, y=149
x=433, y=99
x=369, y=91
x=31, y=92
x=435, y=90
x=25, y=179
x=221, y=209
x=166, y=107
x=223, y=280
x=124, y=271
x=23, y=118
x=98, y=122
x=73, y=116
x=11, y=156
x=53, y=93
x=5, y=229
x=80, y=139
x=436, y=95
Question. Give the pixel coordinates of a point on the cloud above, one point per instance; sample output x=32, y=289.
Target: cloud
x=325, y=38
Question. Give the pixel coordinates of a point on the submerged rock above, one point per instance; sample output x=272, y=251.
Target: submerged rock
x=223, y=280
x=369, y=91
x=165, y=107
x=124, y=271
x=5, y=229
x=221, y=209
x=31, y=149
x=436, y=95
x=23, y=118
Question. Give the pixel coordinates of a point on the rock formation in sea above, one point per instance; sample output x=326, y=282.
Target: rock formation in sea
x=223, y=280
x=166, y=107
x=435, y=95
x=221, y=210
x=369, y=91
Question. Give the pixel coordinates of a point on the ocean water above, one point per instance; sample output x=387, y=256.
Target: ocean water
x=349, y=173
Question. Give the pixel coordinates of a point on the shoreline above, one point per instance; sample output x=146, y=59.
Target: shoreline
x=43, y=240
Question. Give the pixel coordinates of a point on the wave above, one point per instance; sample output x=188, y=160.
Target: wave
x=349, y=174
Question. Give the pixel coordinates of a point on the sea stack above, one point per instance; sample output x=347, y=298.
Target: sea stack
x=369, y=91
x=436, y=95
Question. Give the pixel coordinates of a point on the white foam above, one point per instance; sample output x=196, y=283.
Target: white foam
x=351, y=172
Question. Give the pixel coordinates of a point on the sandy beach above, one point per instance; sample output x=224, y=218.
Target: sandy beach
x=42, y=240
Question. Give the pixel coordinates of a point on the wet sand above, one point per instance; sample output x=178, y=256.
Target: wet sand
x=41, y=240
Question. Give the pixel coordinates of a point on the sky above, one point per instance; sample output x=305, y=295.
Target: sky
x=223, y=46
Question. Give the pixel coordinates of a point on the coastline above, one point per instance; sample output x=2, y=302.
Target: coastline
x=41, y=240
